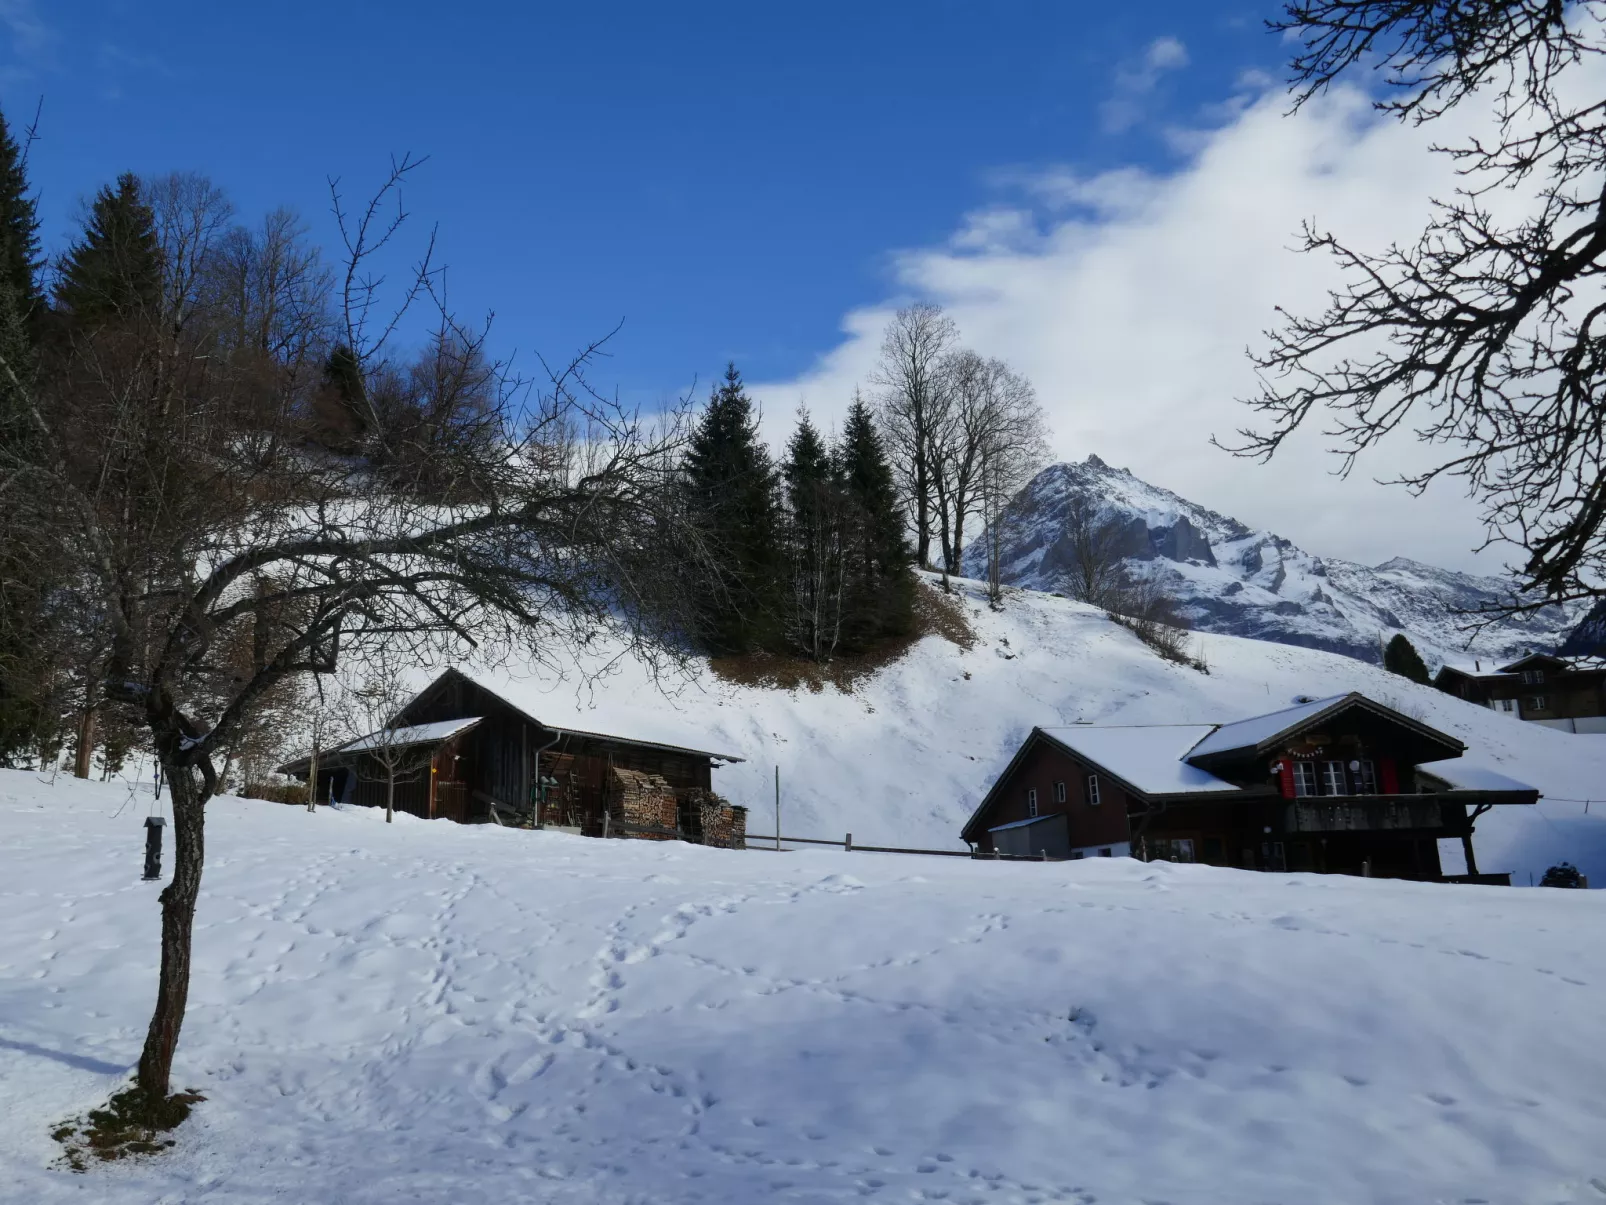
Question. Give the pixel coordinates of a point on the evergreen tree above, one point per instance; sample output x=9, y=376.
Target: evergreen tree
x=731, y=494
x=24, y=722
x=878, y=586
x=814, y=512
x=1400, y=657
x=340, y=407
x=114, y=272
x=20, y=260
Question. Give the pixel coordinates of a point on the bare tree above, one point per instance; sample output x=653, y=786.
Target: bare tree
x=184, y=475
x=1486, y=335
x=1014, y=445
x=1092, y=551
x=992, y=418
x=377, y=748
x=911, y=405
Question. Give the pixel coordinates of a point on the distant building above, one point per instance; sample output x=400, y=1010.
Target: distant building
x=1565, y=693
x=1341, y=785
x=477, y=757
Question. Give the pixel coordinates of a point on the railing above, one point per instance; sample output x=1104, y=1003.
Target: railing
x=847, y=844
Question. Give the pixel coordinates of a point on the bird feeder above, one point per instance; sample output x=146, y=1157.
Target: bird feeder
x=153, y=846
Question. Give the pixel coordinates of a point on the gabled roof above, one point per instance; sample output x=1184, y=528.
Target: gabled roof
x=1262, y=733
x=1148, y=757
x=411, y=734
x=578, y=733
x=406, y=737
x=1516, y=667
x=1251, y=733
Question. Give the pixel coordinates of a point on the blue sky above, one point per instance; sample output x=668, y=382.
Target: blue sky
x=729, y=179
x=1105, y=195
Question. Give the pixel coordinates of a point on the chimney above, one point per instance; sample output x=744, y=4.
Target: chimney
x=1478, y=666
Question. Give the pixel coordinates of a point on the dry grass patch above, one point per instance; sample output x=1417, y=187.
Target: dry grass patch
x=935, y=614
x=130, y=1126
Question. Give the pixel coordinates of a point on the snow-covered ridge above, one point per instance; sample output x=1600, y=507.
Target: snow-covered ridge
x=1234, y=580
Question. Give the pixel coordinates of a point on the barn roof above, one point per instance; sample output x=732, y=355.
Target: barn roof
x=411, y=734
x=499, y=694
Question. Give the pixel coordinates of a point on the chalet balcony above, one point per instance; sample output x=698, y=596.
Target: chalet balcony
x=1337, y=814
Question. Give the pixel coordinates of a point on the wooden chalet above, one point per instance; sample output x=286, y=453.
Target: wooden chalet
x=1558, y=692
x=1341, y=785
x=481, y=758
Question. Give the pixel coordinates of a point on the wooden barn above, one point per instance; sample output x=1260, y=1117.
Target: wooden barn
x=469, y=755
x=1342, y=785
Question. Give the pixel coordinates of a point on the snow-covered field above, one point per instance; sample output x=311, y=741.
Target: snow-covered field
x=432, y=1013
x=905, y=758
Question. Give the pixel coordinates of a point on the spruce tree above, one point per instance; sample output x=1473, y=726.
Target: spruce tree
x=20, y=260
x=24, y=584
x=731, y=494
x=1400, y=657
x=814, y=513
x=114, y=272
x=878, y=587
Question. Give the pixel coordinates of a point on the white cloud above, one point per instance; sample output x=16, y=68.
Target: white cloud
x=1133, y=84
x=1130, y=298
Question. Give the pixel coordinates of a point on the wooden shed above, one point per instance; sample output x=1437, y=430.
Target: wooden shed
x=489, y=760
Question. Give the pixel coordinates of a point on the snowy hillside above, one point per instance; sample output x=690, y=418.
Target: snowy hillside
x=433, y=1013
x=905, y=758
x=1232, y=580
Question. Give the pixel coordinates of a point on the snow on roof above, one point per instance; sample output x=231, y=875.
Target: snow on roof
x=1472, y=671
x=1244, y=734
x=1023, y=823
x=1462, y=777
x=1148, y=757
x=413, y=734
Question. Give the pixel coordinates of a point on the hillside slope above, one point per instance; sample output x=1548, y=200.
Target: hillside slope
x=905, y=758
x=427, y=1012
x=1232, y=580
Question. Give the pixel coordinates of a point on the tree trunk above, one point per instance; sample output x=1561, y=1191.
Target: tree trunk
x=390, y=798
x=1472, y=861
x=188, y=794
x=86, y=741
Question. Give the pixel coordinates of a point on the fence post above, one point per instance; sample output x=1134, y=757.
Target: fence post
x=847, y=846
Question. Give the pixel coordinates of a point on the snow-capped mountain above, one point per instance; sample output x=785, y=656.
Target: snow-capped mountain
x=1231, y=579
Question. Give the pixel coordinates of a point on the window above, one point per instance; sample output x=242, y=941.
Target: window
x=1093, y=789
x=1106, y=852
x=1305, y=778
x=1507, y=705
x=1532, y=677
x=1333, y=778
x=1076, y=855
x=1031, y=802
x=1059, y=792
x=1536, y=703
x=1365, y=778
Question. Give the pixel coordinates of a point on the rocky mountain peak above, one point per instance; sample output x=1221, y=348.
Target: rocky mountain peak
x=1230, y=578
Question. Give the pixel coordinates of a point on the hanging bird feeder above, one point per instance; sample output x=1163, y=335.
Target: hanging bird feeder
x=153, y=846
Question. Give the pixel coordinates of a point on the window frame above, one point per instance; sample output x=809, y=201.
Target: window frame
x=1059, y=791
x=1301, y=770
x=1333, y=777
x=1031, y=803
x=1538, y=703
x=1094, y=798
x=1365, y=779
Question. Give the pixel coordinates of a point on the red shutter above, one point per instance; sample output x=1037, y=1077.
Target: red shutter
x=1285, y=777
x=1388, y=777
